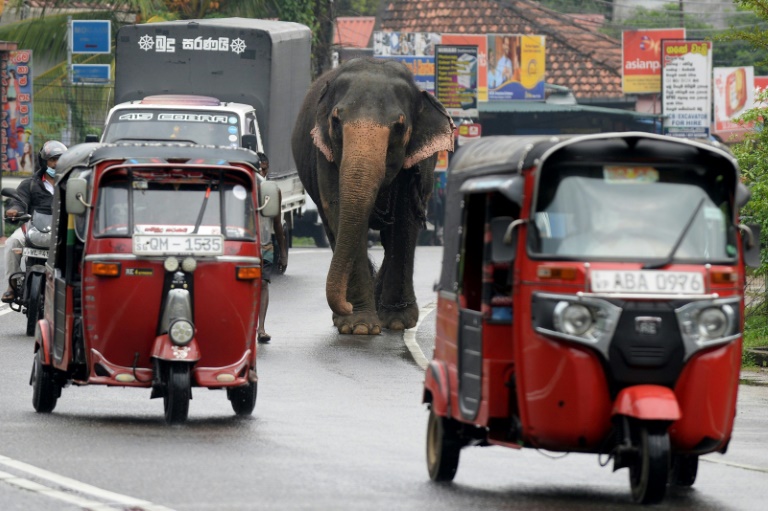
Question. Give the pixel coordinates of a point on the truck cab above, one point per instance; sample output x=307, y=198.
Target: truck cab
x=202, y=120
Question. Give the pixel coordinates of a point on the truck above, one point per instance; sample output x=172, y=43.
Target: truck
x=218, y=82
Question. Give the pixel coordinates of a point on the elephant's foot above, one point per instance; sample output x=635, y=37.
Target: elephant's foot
x=358, y=323
x=399, y=317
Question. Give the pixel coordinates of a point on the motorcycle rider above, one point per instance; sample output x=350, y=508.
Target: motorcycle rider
x=35, y=194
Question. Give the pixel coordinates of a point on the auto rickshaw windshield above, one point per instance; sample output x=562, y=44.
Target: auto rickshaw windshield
x=174, y=206
x=634, y=213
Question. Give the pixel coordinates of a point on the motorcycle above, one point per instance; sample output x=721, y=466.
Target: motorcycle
x=154, y=277
x=29, y=285
x=591, y=300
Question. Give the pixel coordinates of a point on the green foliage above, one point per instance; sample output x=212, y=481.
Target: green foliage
x=668, y=17
x=356, y=7
x=579, y=6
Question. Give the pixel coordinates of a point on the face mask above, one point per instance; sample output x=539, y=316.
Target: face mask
x=51, y=172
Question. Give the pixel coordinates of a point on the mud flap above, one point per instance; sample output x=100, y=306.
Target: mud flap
x=647, y=402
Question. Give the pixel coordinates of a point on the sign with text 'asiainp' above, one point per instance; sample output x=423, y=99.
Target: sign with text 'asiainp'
x=641, y=58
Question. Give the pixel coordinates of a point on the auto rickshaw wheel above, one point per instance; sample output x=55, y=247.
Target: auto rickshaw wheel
x=443, y=447
x=648, y=474
x=45, y=389
x=243, y=398
x=684, y=469
x=35, y=303
x=178, y=392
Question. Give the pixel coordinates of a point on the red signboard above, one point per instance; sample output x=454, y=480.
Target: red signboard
x=641, y=50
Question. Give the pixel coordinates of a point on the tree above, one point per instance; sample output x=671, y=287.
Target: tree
x=46, y=35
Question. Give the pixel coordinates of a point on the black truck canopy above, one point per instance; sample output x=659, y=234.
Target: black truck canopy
x=261, y=63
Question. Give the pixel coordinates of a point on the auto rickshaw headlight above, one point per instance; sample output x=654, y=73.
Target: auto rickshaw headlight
x=181, y=332
x=713, y=323
x=171, y=264
x=707, y=323
x=573, y=318
x=189, y=264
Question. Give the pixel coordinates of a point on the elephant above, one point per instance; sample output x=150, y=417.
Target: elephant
x=365, y=144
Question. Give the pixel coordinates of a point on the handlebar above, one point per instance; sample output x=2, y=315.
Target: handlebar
x=21, y=218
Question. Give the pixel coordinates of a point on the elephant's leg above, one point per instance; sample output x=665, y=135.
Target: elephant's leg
x=363, y=320
x=395, y=297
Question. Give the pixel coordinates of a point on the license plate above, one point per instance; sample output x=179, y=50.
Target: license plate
x=178, y=244
x=656, y=282
x=35, y=252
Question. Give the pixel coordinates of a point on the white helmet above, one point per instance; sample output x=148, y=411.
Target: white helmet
x=52, y=149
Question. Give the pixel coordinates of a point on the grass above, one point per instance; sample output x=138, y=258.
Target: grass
x=755, y=335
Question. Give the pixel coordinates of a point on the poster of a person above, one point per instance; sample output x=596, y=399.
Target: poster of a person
x=17, y=113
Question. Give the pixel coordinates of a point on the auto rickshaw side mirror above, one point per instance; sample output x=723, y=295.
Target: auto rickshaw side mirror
x=269, y=204
x=503, y=240
x=742, y=195
x=751, y=241
x=77, y=192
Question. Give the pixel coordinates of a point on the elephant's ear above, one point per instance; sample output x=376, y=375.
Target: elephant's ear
x=317, y=131
x=432, y=131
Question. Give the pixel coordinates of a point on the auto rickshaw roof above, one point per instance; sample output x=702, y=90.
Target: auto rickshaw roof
x=89, y=154
x=512, y=153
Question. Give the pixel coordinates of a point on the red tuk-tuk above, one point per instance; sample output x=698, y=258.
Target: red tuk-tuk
x=591, y=300
x=153, y=277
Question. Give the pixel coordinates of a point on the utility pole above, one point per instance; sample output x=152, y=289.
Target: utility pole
x=682, y=14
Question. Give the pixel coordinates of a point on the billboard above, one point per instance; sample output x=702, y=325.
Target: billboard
x=456, y=79
x=641, y=58
x=734, y=94
x=16, y=144
x=516, y=67
x=423, y=69
x=686, y=73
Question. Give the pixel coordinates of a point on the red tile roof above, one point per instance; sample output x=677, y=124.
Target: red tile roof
x=578, y=57
x=353, y=32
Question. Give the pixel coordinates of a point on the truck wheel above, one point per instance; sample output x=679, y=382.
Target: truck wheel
x=177, y=394
x=443, y=447
x=34, y=303
x=45, y=390
x=648, y=474
x=243, y=398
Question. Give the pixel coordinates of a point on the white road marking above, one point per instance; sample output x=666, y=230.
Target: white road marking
x=410, y=337
x=5, y=310
x=737, y=465
x=73, y=485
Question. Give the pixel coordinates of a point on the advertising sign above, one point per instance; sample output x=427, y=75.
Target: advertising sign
x=468, y=131
x=481, y=41
x=516, y=67
x=734, y=95
x=456, y=79
x=16, y=144
x=641, y=52
x=91, y=36
x=686, y=87
x=423, y=69
x=415, y=44
x=91, y=73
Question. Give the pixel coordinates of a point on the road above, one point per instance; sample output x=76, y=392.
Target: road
x=338, y=425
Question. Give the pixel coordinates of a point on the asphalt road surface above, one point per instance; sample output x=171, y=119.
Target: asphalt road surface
x=338, y=425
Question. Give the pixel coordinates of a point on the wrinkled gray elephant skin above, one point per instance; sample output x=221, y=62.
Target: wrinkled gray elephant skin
x=366, y=144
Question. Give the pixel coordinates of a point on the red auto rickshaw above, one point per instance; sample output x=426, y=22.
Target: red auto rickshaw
x=591, y=300
x=153, y=278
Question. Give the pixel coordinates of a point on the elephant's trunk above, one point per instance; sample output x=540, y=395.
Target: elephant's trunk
x=361, y=173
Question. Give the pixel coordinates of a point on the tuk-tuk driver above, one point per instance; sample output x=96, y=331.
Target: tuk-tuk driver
x=36, y=194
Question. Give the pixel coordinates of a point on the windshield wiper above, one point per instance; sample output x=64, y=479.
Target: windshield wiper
x=202, y=210
x=678, y=242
